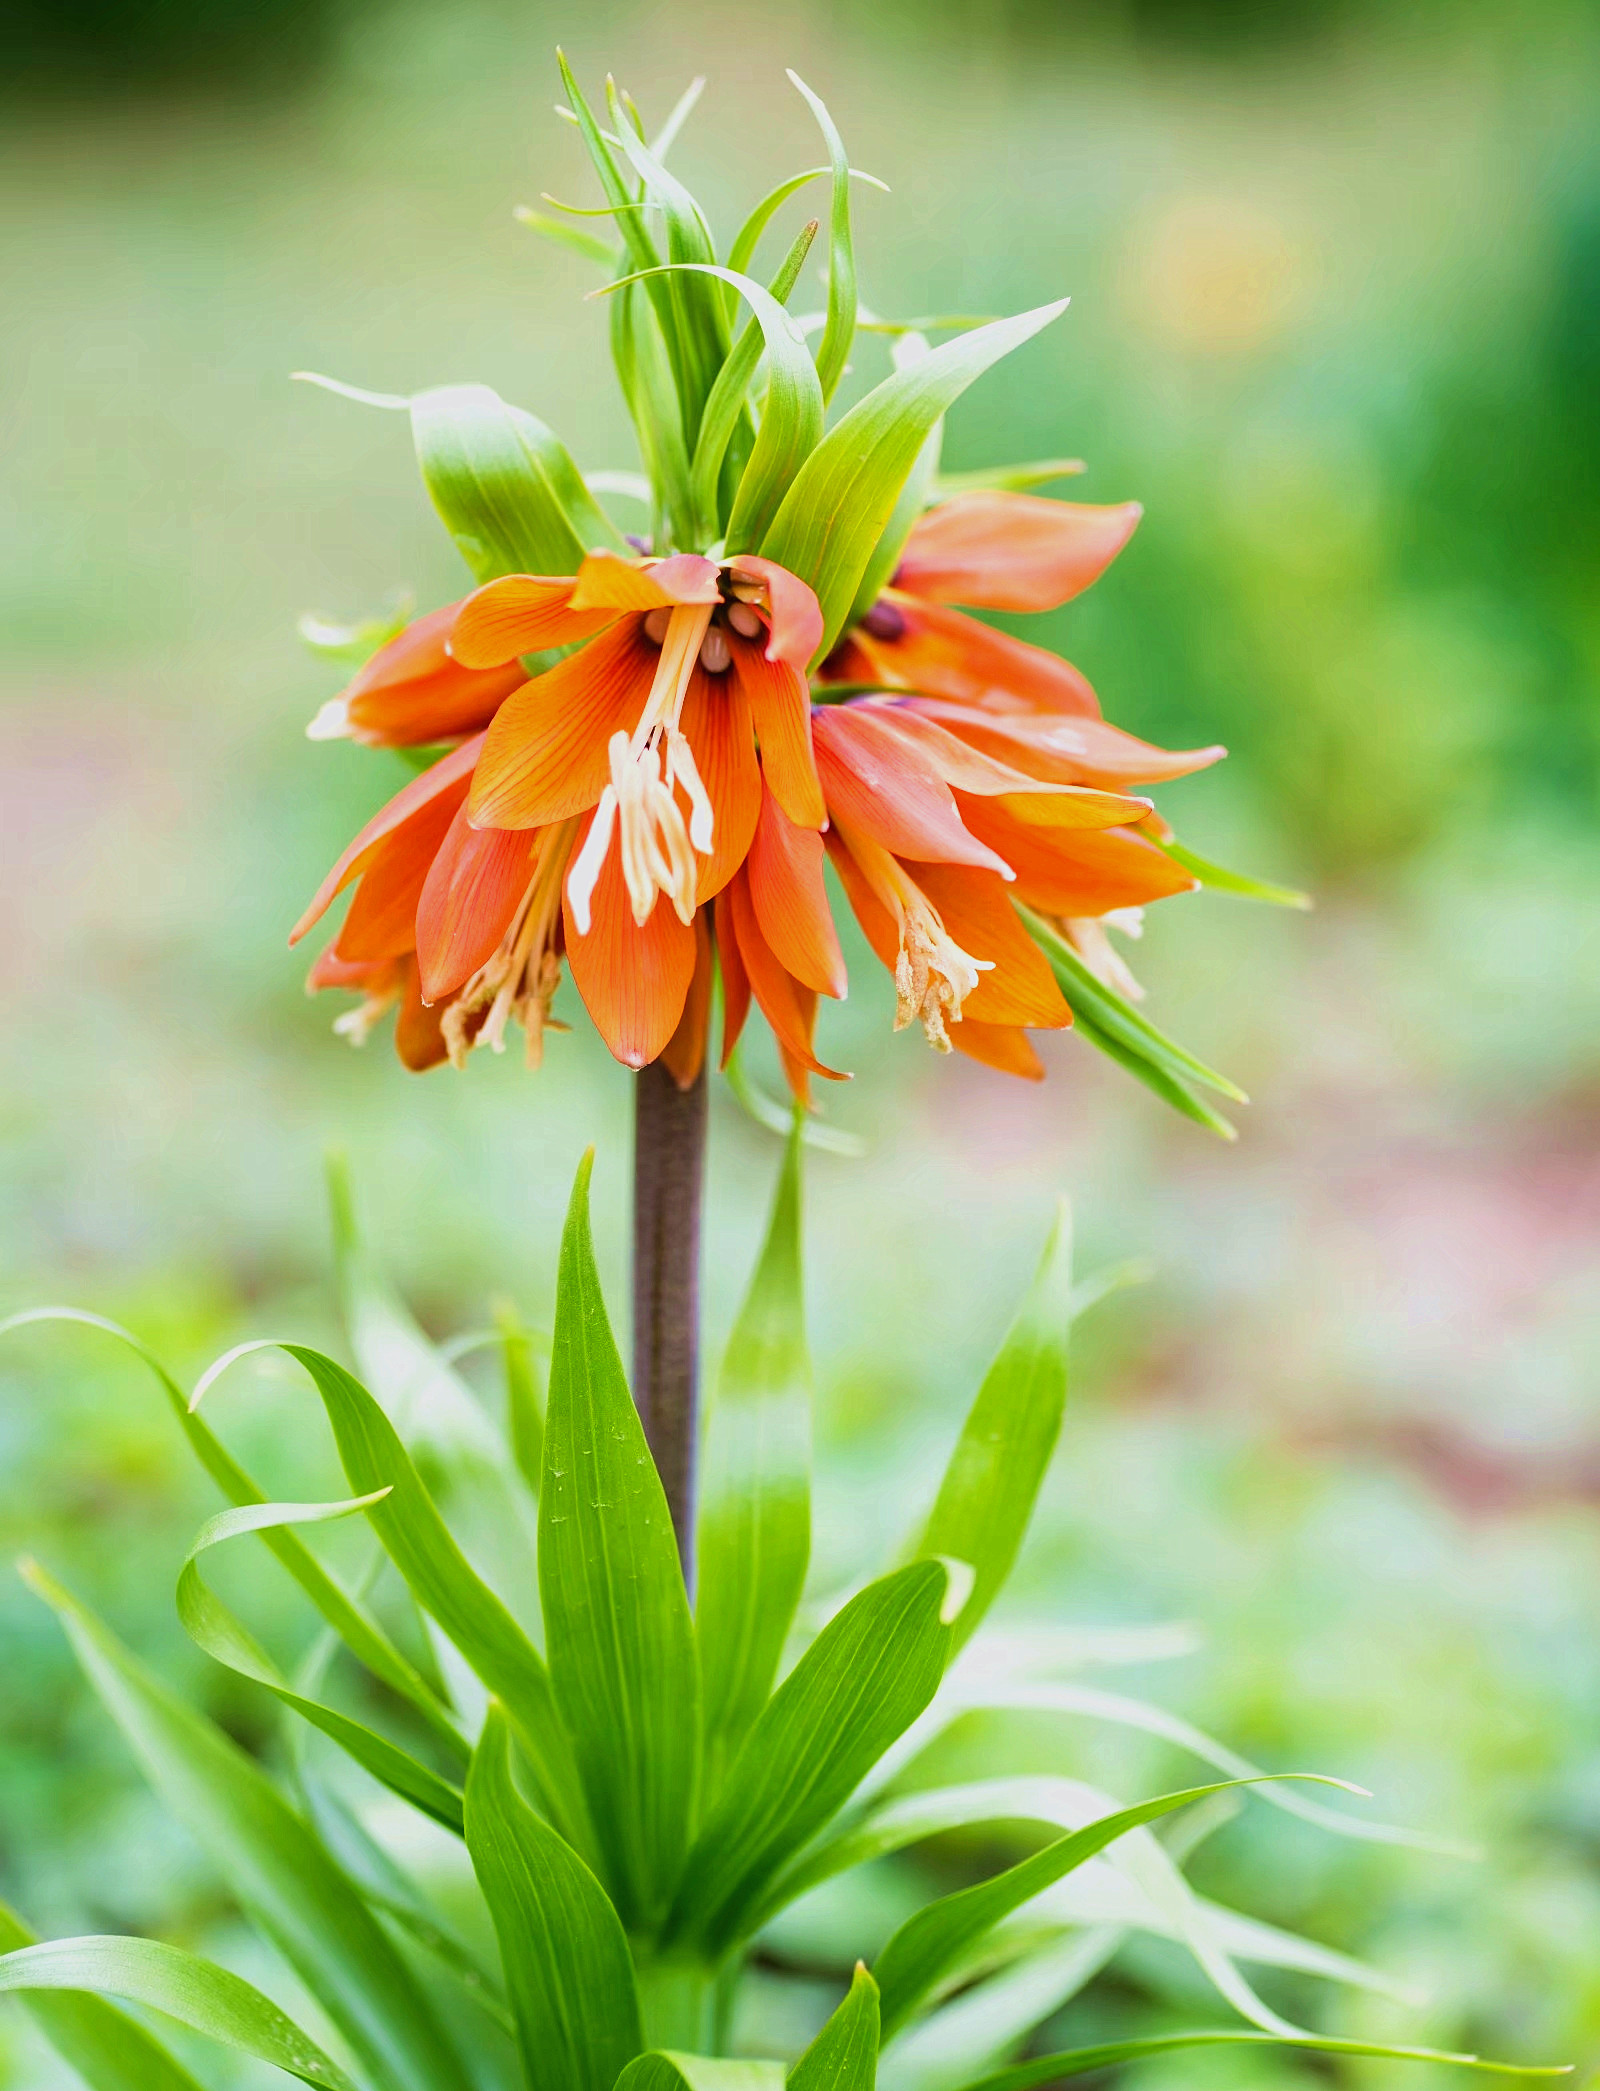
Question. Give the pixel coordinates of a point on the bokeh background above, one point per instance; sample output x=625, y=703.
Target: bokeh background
x=1335, y=271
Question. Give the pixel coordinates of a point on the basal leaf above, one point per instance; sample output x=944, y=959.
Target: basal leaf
x=833, y=351
x=504, y=485
x=620, y=1638
x=197, y=1993
x=565, y=1954
x=844, y=2055
x=992, y=1482
x=107, y=2049
x=931, y=1942
x=862, y=1682
x=1079, y=2061
x=836, y=510
x=754, y=1533
x=210, y=1624
x=270, y=1858
x=444, y=1582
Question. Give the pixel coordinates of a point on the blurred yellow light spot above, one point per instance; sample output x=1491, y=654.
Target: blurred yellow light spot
x=1216, y=275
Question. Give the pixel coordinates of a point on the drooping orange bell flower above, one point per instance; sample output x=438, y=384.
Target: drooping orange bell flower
x=413, y=692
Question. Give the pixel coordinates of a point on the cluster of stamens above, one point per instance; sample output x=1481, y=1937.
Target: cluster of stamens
x=933, y=975
x=520, y=979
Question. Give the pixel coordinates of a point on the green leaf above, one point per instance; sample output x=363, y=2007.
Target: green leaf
x=443, y=1581
x=791, y=416
x=213, y=1628
x=621, y=1641
x=1009, y=479
x=1132, y=1060
x=197, y=1993
x=754, y=1533
x=844, y=2055
x=836, y=510
x=564, y=1950
x=833, y=351
x=1221, y=880
x=564, y=235
x=505, y=487
x=353, y=644
x=748, y=238
x=859, y=1686
x=779, y=1117
x=983, y=2024
x=348, y=1618
x=911, y=348
x=666, y=2070
x=928, y=1944
x=992, y=1482
x=107, y=2049
x=459, y=1452
x=1078, y=2061
x=524, y=1398
x=270, y=1858
x=647, y=384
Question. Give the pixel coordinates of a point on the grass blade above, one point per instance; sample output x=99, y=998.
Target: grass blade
x=992, y=1482
x=1078, y=2061
x=107, y=2049
x=621, y=1641
x=197, y=1993
x=754, y=1534
x=844, y=2055
x=565, y=1953
x=271, y=1859
x=833, y=351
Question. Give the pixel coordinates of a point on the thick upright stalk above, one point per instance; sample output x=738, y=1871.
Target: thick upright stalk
x=669, y=1148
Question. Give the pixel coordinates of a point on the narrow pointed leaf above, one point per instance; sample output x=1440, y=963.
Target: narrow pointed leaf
x=443, y=1581
x=833, y=351
x=931, y=1942
x=197, y=1993
x=505, y=487
x=836, y=510
x=348, y=1618
x=754, y=1535
x=565, y=1953
x=1079, y=2061
x=992, y=1482
x=1010, y=479
x=862, y=1682
x=844, y=2055
x=748, y=237
x=212, y=1627
x=1221, y=880
x=664, y=2070
x=985, y=2022
x=524, y=1397
x=909, y=349
x=270, y=1858
x=621, y=1641
x=107, y=2049
x=572, y=237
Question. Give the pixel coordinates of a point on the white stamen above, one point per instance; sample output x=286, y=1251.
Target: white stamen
x=358, y=1024
x=521, y=978
x=682, y=768
x=585, y=873
x=1087, y=936
x=933, y=976
x=332, y=723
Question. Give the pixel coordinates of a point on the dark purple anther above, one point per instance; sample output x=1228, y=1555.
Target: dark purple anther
x=640, y=544
x=884, y=621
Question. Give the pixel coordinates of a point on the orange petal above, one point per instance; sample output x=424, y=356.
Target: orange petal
x=913, y=645
x=974, y=908
x=607, y=581
x=467, y=902
x=878, y=926
x=735, y=980
x=967, y=770
x=791, y=901
x=1068, y=751
x=634, y=981
x=796, y=615
x=716, y=722
x=788, y=1007
x=877, y=783
x=411, y=692
x=407, y=804
x=519, y=614
x=1000, y=551
x=1081, y=874
x=359, y=975
x=418, y=1032
x=797, y=1072
x=382, y=922
x=997, y=1045
x=780, y=707
x=684, y=1054
x=544, y=758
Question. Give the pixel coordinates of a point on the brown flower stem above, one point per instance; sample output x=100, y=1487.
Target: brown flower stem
x=669, y=1151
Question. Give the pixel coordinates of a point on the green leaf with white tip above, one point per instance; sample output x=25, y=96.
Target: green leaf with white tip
x=986, y=1498
x=620, y=1638
x=833, y=350
x=505, y=486
x=270, y=1858
x=859, y=1686
x=197, y=1993
x=213, y=1628
x=844, y=2055
x=840, y=503
x=754, y=1533
x=107, y=2049
x=566, y=1956
x=1079, y=2061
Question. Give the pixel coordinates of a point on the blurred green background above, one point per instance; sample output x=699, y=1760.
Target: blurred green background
x=1336, y=320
